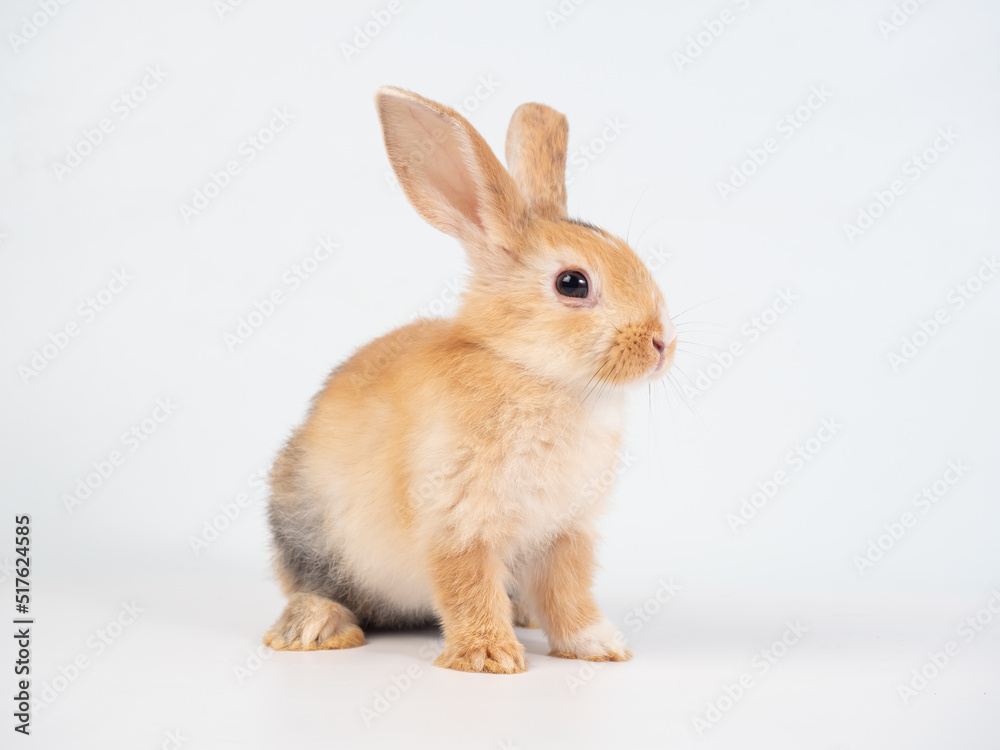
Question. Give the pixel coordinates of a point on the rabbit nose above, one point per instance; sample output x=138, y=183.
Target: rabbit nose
x=658, y=345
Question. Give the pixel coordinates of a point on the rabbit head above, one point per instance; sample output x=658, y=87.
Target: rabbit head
x=563, y=299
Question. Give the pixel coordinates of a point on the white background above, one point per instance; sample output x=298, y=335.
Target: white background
x=186, y=662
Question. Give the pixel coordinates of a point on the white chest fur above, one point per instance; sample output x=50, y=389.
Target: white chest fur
x=525, y=481
x=573, y=474
x=517, y=485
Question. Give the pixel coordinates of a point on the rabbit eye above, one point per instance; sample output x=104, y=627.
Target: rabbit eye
x=572, y=284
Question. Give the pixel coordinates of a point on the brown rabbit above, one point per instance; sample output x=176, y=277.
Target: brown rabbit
x=443, y=467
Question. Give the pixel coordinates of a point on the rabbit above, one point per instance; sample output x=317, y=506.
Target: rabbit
x=451, y=471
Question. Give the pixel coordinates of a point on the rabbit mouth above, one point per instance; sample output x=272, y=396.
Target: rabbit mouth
x=637, y=356
x=666, y=357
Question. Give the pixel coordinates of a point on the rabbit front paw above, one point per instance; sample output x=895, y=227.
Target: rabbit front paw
x=601, y=641
x=499, y=656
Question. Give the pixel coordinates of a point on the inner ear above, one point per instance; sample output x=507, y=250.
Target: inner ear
x=437, y=150
x=449, y=174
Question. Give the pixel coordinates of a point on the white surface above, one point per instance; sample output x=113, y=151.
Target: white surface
x=187, y=664
x=681, y=131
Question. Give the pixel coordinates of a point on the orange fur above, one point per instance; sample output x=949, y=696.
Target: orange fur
x=560, y=589
x=447, y=459
x=475, y=612
x=311, y=623
x=536, y=157
x=560, y=586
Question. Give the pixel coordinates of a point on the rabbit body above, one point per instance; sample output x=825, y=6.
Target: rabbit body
x=422, y=436
x=454, y=464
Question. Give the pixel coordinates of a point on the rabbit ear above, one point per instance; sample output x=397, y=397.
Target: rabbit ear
x=536, y=157
x=450, y=175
